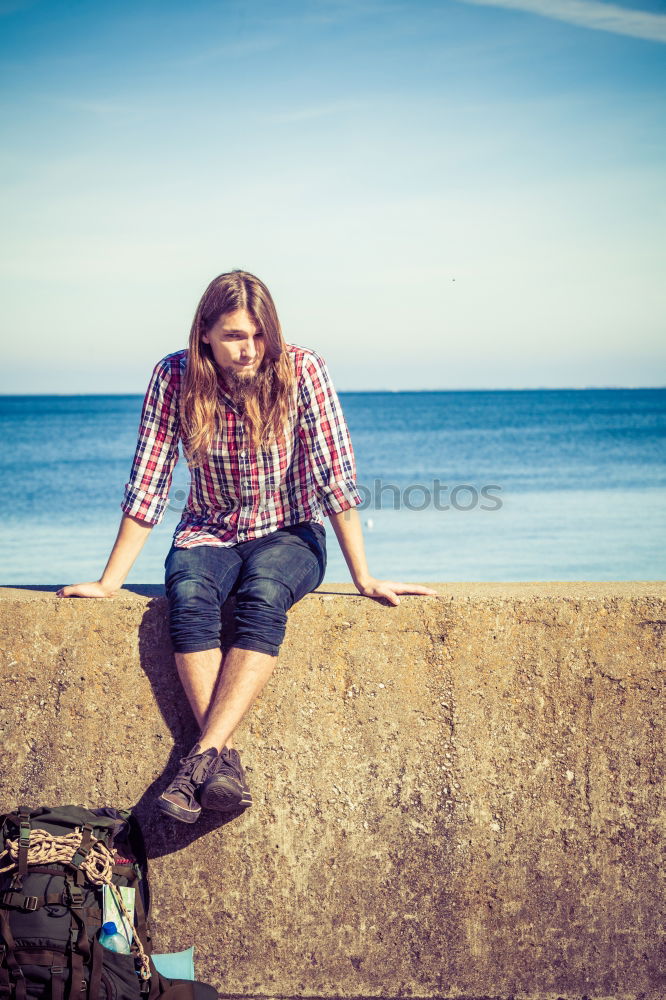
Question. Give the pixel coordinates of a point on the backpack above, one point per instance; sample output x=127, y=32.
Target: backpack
x=54, y=864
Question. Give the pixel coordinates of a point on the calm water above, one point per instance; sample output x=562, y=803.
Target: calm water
x=539, y=485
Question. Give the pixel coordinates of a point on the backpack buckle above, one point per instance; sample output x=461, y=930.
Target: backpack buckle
x=84, y=847
x=10, y=898
x=75, y=896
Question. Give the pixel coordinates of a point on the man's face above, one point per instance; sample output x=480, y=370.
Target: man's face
x=237, y=346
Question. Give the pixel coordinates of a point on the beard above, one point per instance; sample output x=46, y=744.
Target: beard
x=241, y=386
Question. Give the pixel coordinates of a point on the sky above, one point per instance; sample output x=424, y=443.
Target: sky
x=439, y=195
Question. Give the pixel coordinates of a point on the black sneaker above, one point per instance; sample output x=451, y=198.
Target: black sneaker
x=225, y=788
x=179, y=799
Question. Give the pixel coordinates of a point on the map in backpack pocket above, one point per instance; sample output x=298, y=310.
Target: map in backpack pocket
x=111, y=909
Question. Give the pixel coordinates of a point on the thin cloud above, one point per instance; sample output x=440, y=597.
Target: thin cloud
x=590, y=14
x=239, y=49
x=97, y=107
x=315, y=111
x=335, y=11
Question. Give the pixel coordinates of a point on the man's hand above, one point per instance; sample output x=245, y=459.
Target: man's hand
x=390, y=589
x=86, y=590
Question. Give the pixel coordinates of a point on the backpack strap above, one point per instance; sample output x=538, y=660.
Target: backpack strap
x=158, y=983
x=39, y=956
x=5, y=985
x=58, y=982
x=17, y=901
x=82, y=852
x=79, y=945
x=23, y=845
x=95, y=981
x=15, y=973
x=77, y=982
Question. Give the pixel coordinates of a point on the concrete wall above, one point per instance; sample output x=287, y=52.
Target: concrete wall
x=458, y=797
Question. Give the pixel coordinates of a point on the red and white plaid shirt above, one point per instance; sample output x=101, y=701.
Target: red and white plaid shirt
x=240, y=493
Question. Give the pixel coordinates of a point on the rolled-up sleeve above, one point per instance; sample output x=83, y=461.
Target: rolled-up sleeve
x=324, y=432
x=147, y=492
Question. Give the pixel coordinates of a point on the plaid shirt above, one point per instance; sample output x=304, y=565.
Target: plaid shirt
x=240, y=493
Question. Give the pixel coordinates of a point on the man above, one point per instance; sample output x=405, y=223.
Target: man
x=270, y=455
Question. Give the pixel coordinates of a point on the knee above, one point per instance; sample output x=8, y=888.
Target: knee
x=194, y=615
x=261, y=615
x=273, y=593
x=187, y=592
x=271, y=596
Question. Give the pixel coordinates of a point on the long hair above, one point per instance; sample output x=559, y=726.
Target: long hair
x=266, y=409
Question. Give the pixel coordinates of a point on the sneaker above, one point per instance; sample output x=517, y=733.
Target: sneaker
x=179, y=799
x=225, y=788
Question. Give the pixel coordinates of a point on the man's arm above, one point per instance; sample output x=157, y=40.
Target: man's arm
x=147, y=492
x=131, y=537
x=331, y=456
x=348, y=531
x=323, y=430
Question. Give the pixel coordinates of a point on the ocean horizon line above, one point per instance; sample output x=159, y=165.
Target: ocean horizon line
x=364, y=392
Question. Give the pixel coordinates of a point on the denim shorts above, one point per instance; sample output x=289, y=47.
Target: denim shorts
x=266, y=575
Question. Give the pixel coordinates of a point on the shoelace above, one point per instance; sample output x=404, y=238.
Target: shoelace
x=226, y=765
x=193, y=771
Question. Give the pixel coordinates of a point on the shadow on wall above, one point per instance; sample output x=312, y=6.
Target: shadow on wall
x=164, y=835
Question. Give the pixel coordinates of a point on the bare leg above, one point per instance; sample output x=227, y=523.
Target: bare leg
x=219, y=700
x=243, y=677
x=198, y=674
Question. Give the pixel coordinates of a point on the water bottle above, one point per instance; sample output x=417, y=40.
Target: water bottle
x=111, y=938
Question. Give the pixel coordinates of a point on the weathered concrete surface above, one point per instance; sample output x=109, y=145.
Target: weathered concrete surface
x=459, y=797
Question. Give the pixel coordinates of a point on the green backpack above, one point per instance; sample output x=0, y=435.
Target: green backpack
x=54, y=865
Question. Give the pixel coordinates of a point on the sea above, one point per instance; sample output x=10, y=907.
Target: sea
x=504, y=485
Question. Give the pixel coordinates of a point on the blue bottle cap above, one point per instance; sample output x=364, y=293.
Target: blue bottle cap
x=109, y=927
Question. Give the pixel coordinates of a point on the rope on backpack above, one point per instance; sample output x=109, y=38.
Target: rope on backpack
x=97, y=866
x=45, y=848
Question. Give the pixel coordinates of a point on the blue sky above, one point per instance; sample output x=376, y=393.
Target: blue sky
x=439, y=195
